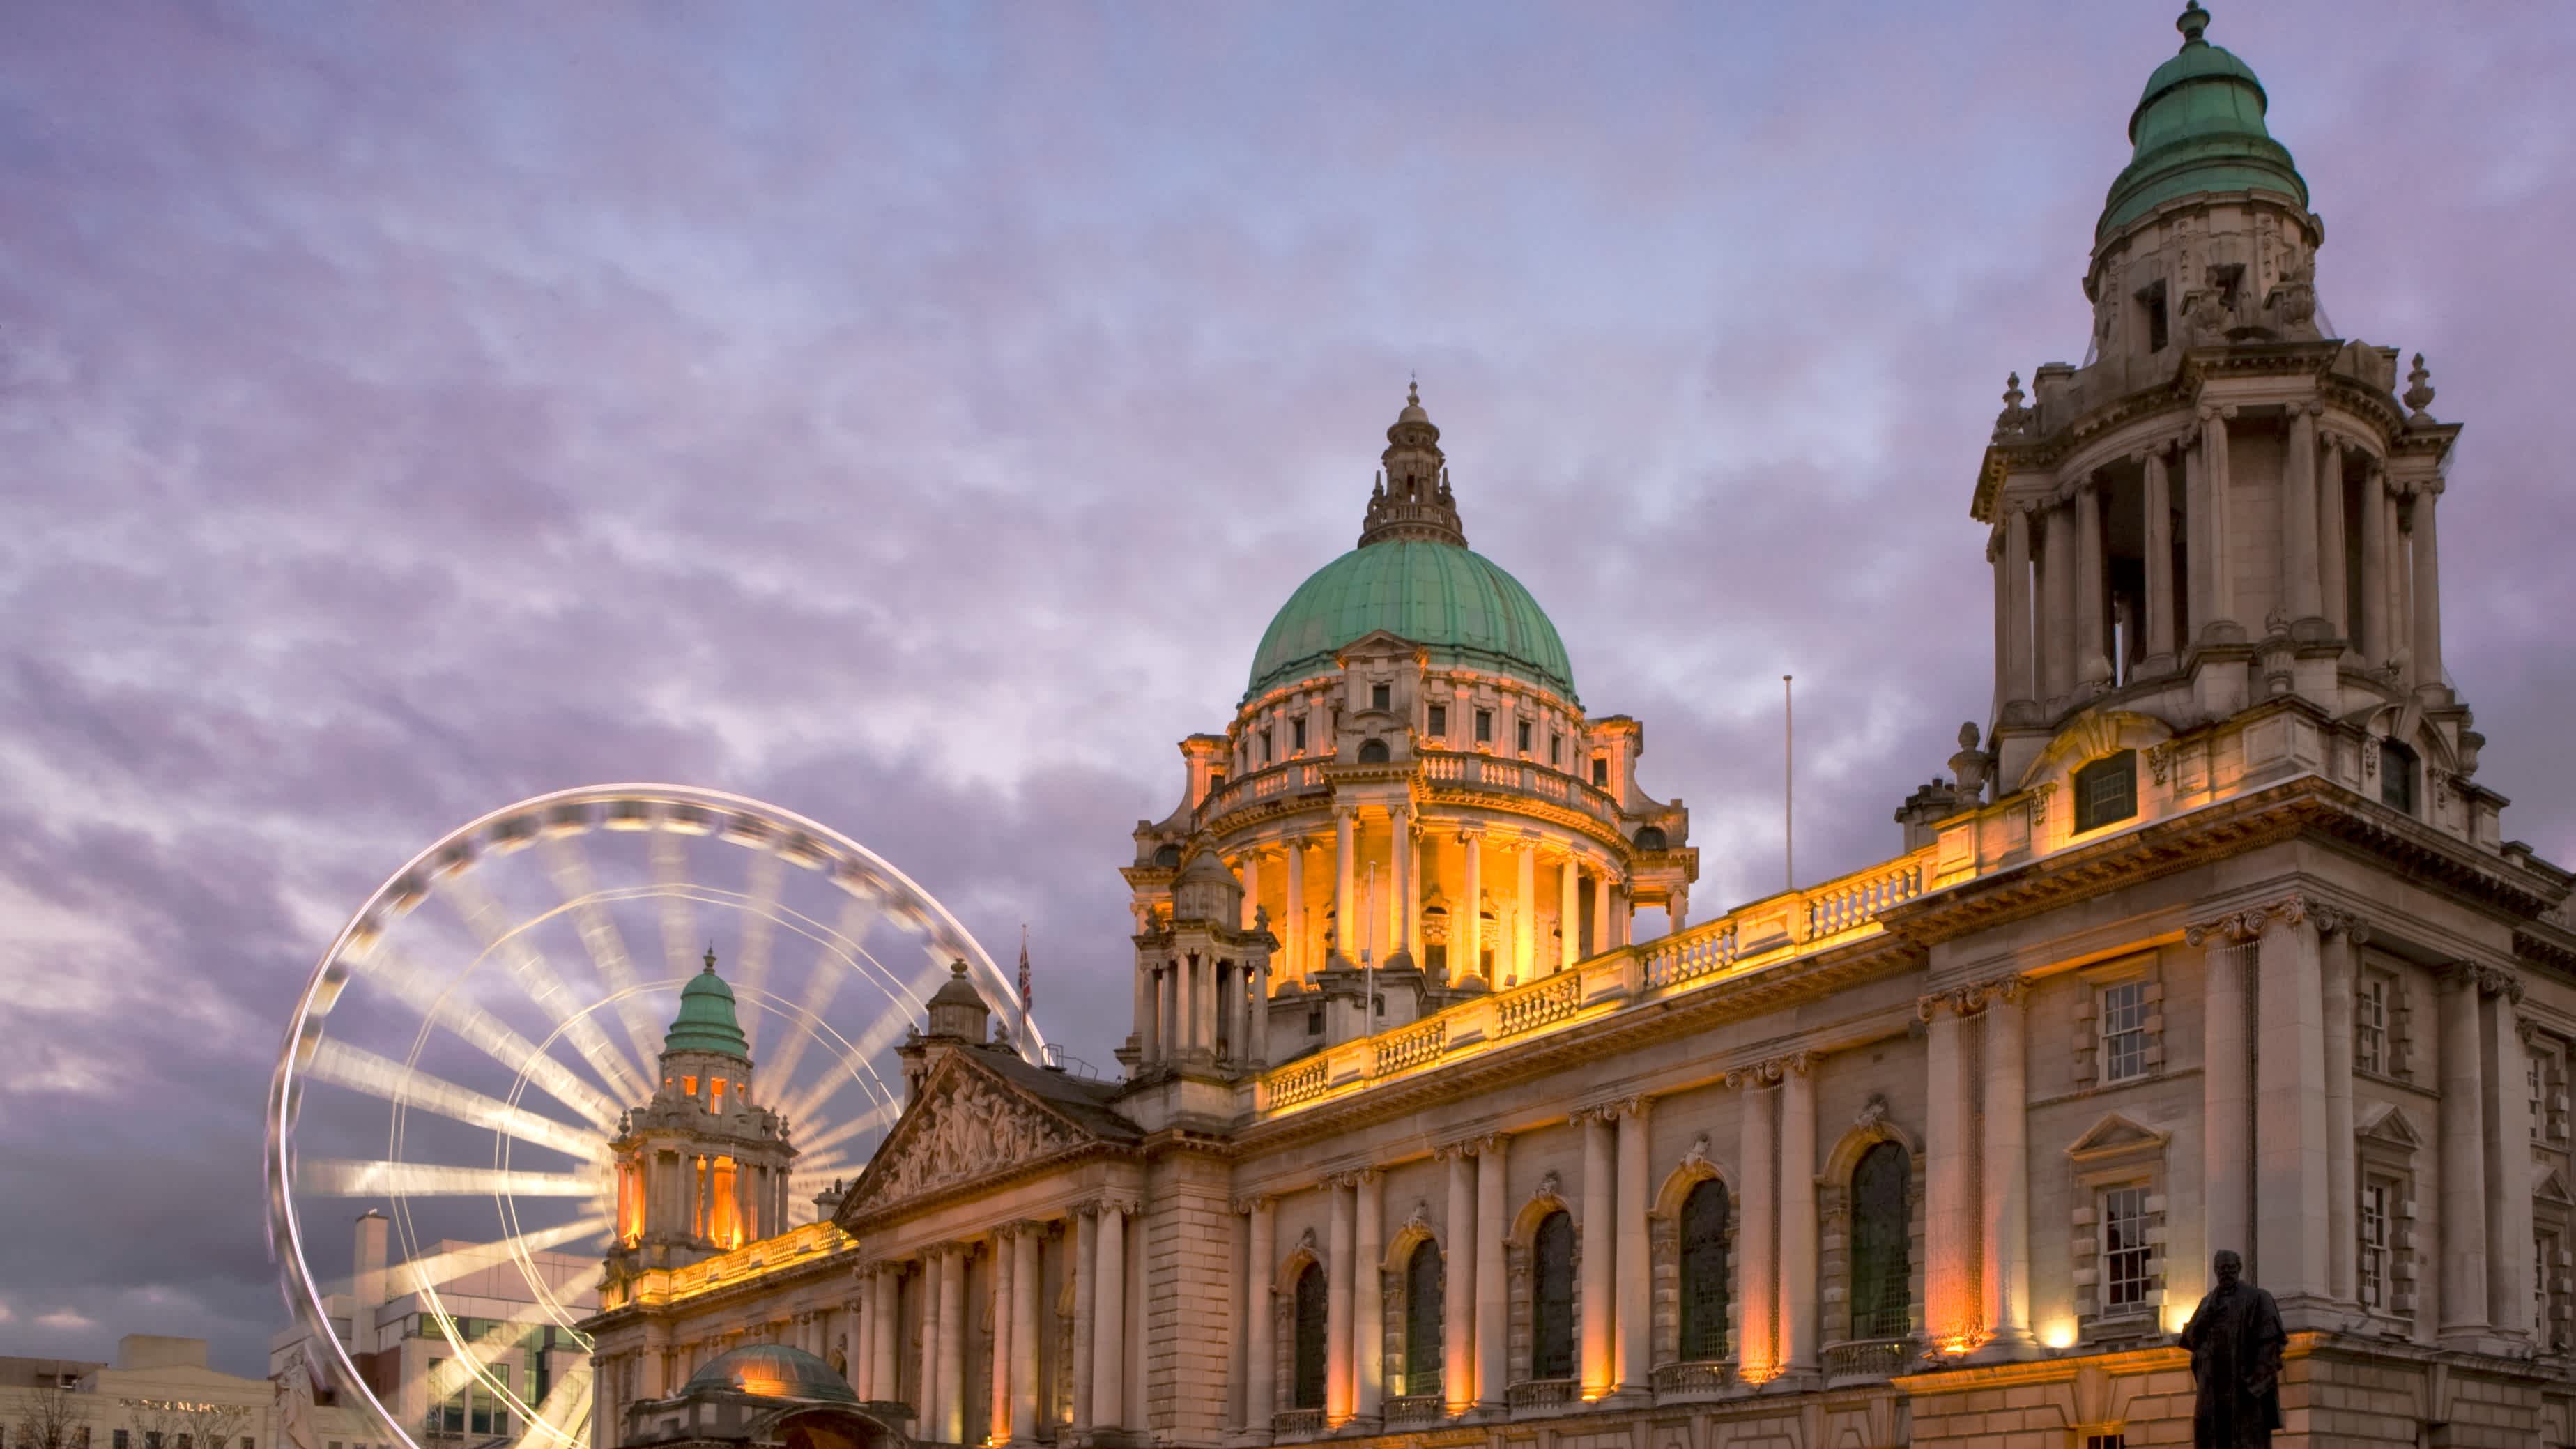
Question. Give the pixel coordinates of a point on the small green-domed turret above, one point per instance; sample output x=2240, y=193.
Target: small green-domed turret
x=2198, y=128
x=706, y=1022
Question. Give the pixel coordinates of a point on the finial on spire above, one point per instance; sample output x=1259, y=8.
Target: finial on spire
x=2419, y=393
x=2191, y=23
x=711, y=958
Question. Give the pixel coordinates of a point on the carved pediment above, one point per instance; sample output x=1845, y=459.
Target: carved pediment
x=2389, y=1126
x=2553, y=1188
x=966, y=1125
x=2114, y=1136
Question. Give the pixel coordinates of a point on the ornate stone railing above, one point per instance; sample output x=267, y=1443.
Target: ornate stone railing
x=1411, y=1046
x=1295, y=1083
x=1867, y=1358
x=1530, y=1007
x=1428, y=1408
x=1523, y=777
x=1543, y=1394
x=1297, y=1423
x=1756, y=935
x=1687, y=1380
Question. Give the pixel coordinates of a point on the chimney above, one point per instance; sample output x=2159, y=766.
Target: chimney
x=370, y=1275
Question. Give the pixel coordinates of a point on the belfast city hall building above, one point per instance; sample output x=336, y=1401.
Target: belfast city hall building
x=2208, y=938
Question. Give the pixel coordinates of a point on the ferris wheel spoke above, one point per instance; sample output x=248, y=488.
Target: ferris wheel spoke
x=566, y=1407
x=358, y=1069
x=670, y=860
x=824, y=983
x=880, y=1115
x=488, y=1034
x=433, y=1270
x=355, y=1177
x=570, y=868
x=475, y=1356
x=879, y=1035
x=759, y=926
x=545, y=986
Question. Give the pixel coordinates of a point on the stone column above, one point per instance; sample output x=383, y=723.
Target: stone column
x=1950, y=1234
x=2507, y=1112
x=1368, y=1300
x=2020, y=678
x=952, y=1345
x=1295, y=915
x=1569, y=913
x=1416, y=847
x=1599, y=1239
x=2160, y=579
x=1001, y=1427
x=2374, y=567
x=1492, y=1219
x=2004, y=1268
x=1256, y=985
x=2394, y=578
x=2333, y=580
x=887, y=1343
x=925, y=1389
x=1085, y=1267
x=1185, y=1005
x=2464, y=1184
x=863, y=1336
x=2226, y=1088
x=1338, y=1252
x=1458, y=1259
x=1399, y=871
x=2092, y=646
x=1757, y=1273
x=2214, y=469
x=1601, y=940
x=2342, y=933
x=1525, y=911
x=2057, y=569
x=1636, y=1271
x=2428, y=595
x=2302, y=581
x=1149, y=1011
x=1346, y=919
x=1260, y=1368
x=1167, y=997
x=1799, y=1320
x=1251, y=890
x=2003, y=595
x=1109, y=1321
x=1025, y=1282
x=2290, y=1118
x=1466, y=915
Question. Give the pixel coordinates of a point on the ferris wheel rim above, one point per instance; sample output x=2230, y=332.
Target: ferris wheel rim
x=285, y=1227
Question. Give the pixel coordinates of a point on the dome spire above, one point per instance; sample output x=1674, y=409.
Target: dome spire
x=1412, y=498
x=2191, y=23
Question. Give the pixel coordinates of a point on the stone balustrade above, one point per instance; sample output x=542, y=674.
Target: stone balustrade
x=1680, y=1382
x=1296, y=1423
x=1542, y=1395
x=1416, y=1409
x=1867, y=1358
x=1410, y=1046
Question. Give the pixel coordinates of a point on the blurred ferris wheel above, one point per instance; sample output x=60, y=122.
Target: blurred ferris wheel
x=471, y=1043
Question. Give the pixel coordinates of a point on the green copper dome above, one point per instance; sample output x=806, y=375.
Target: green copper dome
x=1454, y=602
x=2198, y=128
x=772, y=1371
x=1414, y=577
x=706, y=1022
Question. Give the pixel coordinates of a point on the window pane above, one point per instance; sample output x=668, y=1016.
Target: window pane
x=1422, y=1319
x=2124, y=1249
x=1704, y=1273
x=2370, y=1025
x=1881, y=1246
x=1552, y=1309
x=2397, y=776
x=2106, y=790
x=1308, y=1390
x=2124, y=1031
x=2374, y=1245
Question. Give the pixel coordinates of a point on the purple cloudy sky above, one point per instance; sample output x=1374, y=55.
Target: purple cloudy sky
x=913, y=416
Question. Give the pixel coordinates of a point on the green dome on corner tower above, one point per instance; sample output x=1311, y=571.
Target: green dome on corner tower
x=1413, y=576
x=706, y=1022
x=2198, y=128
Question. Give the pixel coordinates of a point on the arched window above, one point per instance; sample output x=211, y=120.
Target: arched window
x=1651, y=838
x=2397, y=776
x=1373, y=752
x=1167, y=857
x=1422, y=1319
x=2106, y=790
x=1552, y=1305
x=1307, y=1392
x=1882, y=1270
x=1704, y=1273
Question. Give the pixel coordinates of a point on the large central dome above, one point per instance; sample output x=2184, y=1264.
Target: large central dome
x=1414, y=577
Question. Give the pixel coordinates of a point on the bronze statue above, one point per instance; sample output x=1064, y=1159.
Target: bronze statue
x=2235, y=1340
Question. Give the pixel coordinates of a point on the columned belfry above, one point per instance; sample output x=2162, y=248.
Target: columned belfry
x=703, y=1167
x=2255, y=520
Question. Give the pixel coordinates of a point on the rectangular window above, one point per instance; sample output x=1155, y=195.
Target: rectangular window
x=1524, y=737
x=2124, y=1250
x=2106, y=790
x=1440, y=721
x=2544, y=1251
x=1484, y=726
x=120, y=1439
x=2377, y=1199
x=2396, y=776
x=2539, y=1101
x=2370, y=1024
x=151, y=1439
x=2104, y=1441
x=2124, y=1032
x=1556, y=749
x=1296, y=737
x=1381, y=696
x=1600, y=772
x=1265, y=747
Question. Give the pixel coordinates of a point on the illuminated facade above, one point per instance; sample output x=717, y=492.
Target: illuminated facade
x=2208, y=939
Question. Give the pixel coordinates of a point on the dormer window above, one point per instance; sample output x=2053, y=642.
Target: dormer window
x=2397, y=776
x=1381, y=696
x=2106, y=790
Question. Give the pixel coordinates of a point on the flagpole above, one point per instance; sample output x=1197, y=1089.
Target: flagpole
x=1788, y=784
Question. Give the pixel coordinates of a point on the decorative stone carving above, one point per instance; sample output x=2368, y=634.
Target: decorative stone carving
x=2160, y=759
x=2015, y=422
x=2419, y=393
x=1872, y=1113
x=970, y=1128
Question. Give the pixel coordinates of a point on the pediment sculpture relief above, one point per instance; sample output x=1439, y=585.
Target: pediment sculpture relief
x=970, y=1129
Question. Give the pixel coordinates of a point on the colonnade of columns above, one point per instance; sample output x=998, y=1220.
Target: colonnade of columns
x=700, y=1196
x=1379, y=913
x=1198, y=1004
x=1976, y=1193
x=2055, y=613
